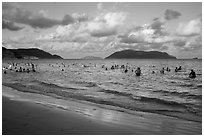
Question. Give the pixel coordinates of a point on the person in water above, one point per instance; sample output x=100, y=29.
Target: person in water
x=192, y=74
x=176, y=70
x=138, y=71
x=4, y=70
x=162, y=71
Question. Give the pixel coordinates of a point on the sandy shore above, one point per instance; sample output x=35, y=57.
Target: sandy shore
x=22, y=115
x=31, y=119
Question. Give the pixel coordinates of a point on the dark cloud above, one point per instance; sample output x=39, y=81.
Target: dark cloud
x=68, y=19
x=103, y=33
x=157, y=25
x=179, y=43
x=15, y=13
x=131, y=39
x=10, y=25
x=171, y=14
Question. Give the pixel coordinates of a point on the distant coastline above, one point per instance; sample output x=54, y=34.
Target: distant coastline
x=35, y=53
x=32, y=53
x=133, y=54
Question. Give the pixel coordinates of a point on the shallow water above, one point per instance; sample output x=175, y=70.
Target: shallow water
x=172, y=93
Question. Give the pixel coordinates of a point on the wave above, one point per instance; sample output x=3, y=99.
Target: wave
x=117, y=83
x=115, y=92
x=55, y=86
x=142, y=98
x=85, y=83
x=181, y=94
x=58, y=92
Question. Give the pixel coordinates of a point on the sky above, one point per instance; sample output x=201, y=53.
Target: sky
x=75, y=30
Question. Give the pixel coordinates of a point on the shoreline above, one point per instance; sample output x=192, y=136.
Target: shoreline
x=26, y=118
x=28, y=115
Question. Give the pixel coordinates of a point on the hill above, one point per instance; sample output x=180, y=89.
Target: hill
x=132, y=54
x=32, y=53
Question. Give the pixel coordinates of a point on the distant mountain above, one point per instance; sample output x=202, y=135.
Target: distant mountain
x=91, y=57
x=32, y=53
x=132, y=54
x=7, y=53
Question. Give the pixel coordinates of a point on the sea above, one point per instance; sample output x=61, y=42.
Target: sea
x=171, y=94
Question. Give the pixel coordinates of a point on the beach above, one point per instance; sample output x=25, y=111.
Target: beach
x=85, y=99
x=23, y=116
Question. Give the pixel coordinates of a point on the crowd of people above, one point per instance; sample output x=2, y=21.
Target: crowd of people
x=138, y=71
x=17, y=67
x=31, y=67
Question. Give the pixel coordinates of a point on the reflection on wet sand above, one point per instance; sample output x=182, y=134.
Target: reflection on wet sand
x=151, y=123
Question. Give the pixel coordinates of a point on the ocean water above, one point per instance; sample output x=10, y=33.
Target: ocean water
x=172, y=93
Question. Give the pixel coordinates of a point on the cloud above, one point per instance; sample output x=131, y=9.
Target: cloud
x=103, y=25
x=67, y=19
x=171, y=14
x=80, y=17
x=193, y=27
x=6, y=24
x=14, y=13
x=100, y=6
x=146, y=34
x=154, y=35
x=158, y=26
x=106, y=24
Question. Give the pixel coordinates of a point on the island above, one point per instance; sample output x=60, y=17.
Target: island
x=31, y=53
x=133, y=54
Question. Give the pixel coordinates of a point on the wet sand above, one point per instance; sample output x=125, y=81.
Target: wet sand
x=26, y=118
x=21, y=116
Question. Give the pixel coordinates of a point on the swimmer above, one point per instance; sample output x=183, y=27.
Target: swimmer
x=138, y=71
x=192, y=74
x=176, y=70
x=162, y=71
x=27, y=70
x=4, y=70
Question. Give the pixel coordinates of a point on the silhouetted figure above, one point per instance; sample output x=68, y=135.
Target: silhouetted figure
x=162, y=71
x=20, y=70
x=192, y=74
x=4, y=70
x=122, y=66
x=126, y=70
x=138, y=71
x=33, y=67
x=179, y=68
x=167, y=69
x=176, y=70
x=112, y=67
x=27, y=70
